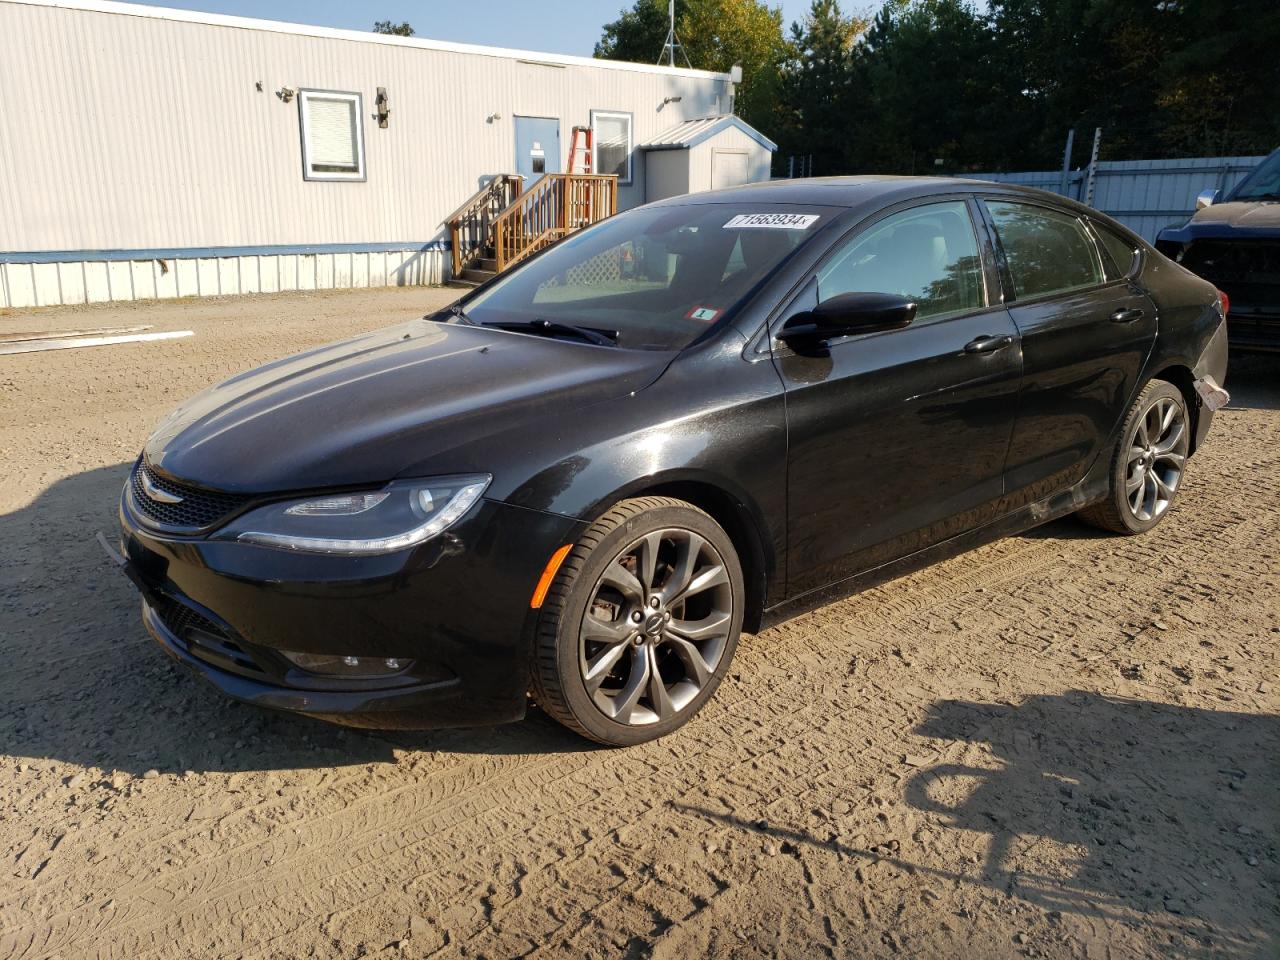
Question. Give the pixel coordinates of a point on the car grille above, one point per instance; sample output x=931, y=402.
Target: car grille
x=205, y=638
x=196, y=510
x=1248, y=270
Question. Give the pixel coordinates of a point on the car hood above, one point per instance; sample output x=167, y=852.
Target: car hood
x=1243, y=214
x=1255, y=219
x=363, y=410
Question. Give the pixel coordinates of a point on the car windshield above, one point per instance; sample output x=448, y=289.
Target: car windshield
x=1263, y=183
x=655, y=278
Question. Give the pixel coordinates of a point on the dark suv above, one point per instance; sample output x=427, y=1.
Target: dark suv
x=1234, y=243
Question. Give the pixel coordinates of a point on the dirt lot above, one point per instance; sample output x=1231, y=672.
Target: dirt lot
x=1059, y=745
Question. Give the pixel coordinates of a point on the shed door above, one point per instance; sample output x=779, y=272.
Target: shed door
x=729, y=168
x=537, y=147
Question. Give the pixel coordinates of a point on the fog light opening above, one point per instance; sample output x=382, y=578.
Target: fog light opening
x=334, y=665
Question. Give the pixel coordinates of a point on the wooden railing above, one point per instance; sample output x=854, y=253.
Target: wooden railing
x=556, y=205
x=471, y=225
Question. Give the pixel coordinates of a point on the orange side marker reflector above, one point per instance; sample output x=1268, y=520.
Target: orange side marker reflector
x=549, y=574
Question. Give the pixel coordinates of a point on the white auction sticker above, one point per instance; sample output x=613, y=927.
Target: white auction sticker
x=772, y=221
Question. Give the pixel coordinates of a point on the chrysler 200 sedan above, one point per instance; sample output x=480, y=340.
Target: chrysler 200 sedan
x=582, y=481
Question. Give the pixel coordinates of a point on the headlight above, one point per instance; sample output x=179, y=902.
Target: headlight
x=379, y=521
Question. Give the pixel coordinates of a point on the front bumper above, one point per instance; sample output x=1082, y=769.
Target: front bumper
x=457, y=606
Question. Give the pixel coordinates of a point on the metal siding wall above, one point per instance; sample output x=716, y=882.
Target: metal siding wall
x=1144, y=195
x=151, y=135
x=148, y=133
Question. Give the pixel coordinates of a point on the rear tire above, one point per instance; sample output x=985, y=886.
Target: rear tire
x=640, y=624
x=1148, y=463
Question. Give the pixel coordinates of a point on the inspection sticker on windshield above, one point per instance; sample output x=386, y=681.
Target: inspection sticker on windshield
x=703, y=314
x=772, y=221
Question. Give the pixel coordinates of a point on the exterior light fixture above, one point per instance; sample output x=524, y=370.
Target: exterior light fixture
x=383, y=104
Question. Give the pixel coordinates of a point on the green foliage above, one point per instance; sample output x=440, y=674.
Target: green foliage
x=993, y=88
x=818, y=101
x=395, y=29
x=715, y=34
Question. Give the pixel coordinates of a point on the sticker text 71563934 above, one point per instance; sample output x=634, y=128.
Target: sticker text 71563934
x=772, y=221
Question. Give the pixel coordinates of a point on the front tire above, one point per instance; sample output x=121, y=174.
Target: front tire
x=640, y=624
x=1148, y=464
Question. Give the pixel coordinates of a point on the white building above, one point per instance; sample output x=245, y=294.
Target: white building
x=149, y=152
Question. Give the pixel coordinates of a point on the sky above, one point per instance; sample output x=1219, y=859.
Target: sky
x=547, y=26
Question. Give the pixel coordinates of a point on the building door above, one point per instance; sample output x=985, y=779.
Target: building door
x=537, y=147
x=729, y=168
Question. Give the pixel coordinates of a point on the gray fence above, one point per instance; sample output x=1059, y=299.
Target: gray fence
x=1144, y=195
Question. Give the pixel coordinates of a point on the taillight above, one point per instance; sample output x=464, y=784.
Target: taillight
x=1225, y=302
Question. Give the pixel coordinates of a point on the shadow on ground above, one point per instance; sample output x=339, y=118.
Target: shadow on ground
x=1253, y=380
x=1152, y=807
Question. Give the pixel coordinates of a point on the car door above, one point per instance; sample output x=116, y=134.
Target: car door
x=1085, y=337
x=897, y=439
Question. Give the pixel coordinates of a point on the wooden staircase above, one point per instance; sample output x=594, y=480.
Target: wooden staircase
x=503, y=223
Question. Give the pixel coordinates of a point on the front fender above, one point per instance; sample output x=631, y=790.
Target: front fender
x=713, y=420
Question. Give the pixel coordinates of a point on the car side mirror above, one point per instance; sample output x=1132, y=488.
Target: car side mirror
x=1206, y=198
x=845, y=315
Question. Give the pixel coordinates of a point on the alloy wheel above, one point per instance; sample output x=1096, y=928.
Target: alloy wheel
x=656, y=628
x=1156, y=458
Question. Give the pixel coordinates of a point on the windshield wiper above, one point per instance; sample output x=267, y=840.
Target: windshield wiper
x=604, y=338
x=1260, y=196
x=459, y=313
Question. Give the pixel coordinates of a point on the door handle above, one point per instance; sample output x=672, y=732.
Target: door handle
x=988, y=344
x=1128, y=315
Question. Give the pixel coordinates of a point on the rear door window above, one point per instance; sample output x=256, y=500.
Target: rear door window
x=1122, y=252
x=1048, y=252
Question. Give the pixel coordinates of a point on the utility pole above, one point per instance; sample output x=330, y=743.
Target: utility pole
x=1093, y=168
x=673, y=42
x=1066, y=161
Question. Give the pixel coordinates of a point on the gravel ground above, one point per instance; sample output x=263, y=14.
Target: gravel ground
x=1062, y=744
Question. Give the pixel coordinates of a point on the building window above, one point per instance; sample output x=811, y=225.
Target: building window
x=332, y=135
x=611, y=137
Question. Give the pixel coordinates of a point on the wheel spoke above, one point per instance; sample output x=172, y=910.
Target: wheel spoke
x=604, y=631
x=698, y=669
x=624, y=581
x=647, y=560
x=1172, y=441
x=1143, y=440
x=1149, y=495
x=1163, y=490
x=1135, y=453
x=1170, y=411
x=1175, y=460
x=688, y=550
x=716, y=625
x=625, y=702
x=1135, y=481
x=705, y=580
x=599, y=668
x=658, y=697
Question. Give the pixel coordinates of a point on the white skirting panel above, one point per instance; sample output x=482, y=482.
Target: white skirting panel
x=99, y=281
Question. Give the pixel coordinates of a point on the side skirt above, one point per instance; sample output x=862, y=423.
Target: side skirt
x=1089, y=490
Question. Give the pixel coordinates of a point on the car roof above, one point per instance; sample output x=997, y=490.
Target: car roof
x=871, y=192
x=860, y=190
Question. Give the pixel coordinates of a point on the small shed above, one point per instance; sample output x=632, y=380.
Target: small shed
x=705, y=154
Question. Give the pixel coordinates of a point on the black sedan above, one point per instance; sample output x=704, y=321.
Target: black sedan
x=587, y=477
